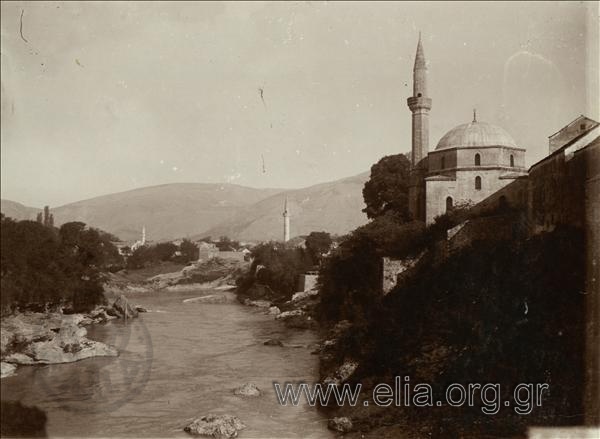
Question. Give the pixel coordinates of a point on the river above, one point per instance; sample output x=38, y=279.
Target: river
x=176, y=362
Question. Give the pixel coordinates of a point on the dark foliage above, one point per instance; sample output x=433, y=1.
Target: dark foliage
x=505, y=312
x=225, y=244
x=387, y=189
x=18, y=420
x=276, y=267
x=317, y=244
x=189, y=251
x=41, y=265
x=350, y=279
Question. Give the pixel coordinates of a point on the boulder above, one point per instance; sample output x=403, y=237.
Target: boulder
x=288, y=314
x=123, y=307
x=48, y=339
x=216, y=426
x=111, y=312
x=273, y=342
x=68, y=345
x=7, y=369
x=258, y=303
x=304, y=295
x=140, y=308
x=247, y=389
x=19, y=358
x=342, y=374
x=341, y=424
x=274, y=311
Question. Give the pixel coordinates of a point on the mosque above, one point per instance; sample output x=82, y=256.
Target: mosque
x=470, y=162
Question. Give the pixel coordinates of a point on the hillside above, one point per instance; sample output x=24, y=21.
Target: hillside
x=335, y=207
x=196, y=210
x=168, y=211
x=18, y=211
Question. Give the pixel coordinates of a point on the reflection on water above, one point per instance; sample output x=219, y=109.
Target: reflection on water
x=174, y=365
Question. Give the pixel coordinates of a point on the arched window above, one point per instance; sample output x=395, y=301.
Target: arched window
x=443, y=165
x=512, y=161
x=478, y=182
x=448, y=204
x=477, y=159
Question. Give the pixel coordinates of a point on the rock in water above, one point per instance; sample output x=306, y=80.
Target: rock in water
x=274, y=311
x=7, y=369
x=343, y=424
x=123, y=307
x=217, y=426
x=140, y=308
x=247, y=389
x=273, y=342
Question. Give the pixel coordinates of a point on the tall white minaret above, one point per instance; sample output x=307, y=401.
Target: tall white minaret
x=419, y=104
x=286, y=222
x=144, y=234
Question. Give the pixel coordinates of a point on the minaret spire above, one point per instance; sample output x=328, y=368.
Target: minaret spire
x=286, y=221
x=419, y=104
x=474, y=115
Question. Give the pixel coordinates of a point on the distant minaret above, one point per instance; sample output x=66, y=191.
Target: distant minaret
x=419, y=105
x=286, y=222
x=144, y=235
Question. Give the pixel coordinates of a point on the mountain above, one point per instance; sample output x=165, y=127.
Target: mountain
x=334, y=207
x=168, y=211
x=18, y=211
x=197, y=210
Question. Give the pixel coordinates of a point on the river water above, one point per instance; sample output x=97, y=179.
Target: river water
x=177, y=362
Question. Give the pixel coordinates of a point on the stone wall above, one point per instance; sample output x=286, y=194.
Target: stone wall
x=307, y=282
x=462, y=189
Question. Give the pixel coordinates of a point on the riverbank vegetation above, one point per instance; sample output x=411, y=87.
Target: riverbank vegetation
x=43, y=266
x=503, y=308
x=274, y=272
x=152, y=255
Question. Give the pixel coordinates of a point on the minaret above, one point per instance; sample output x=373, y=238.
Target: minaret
x=286, y=222
x=419, y=105
x=144, y=235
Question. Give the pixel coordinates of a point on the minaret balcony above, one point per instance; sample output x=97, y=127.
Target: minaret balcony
x=419, y=103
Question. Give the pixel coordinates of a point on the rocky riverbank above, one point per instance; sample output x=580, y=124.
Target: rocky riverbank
x=298, y=312
x=55, y=337
x=212, y=274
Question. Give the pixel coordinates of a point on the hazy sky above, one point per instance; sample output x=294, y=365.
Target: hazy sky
x=106, y=97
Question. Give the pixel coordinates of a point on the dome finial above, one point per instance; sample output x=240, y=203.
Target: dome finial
x=474, y=115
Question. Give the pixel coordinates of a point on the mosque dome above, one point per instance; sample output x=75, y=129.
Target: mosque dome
x=475, y=134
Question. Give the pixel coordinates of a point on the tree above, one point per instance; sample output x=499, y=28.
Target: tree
x=47, y=216
x=317, y=244
x=277, y=267
x=42, y=266
x=225, y=244
x=189, y=251
x=387, y=189
x=164, y=251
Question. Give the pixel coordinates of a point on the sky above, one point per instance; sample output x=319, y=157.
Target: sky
x=104, y=97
